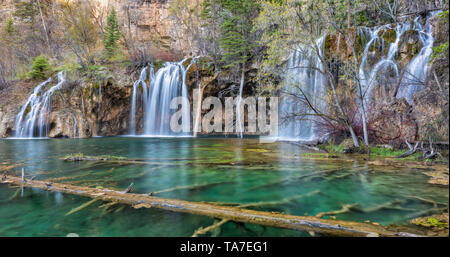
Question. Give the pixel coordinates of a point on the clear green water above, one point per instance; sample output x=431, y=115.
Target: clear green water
x=246, y=167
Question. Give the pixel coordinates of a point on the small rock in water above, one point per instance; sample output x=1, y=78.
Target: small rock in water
x=73, y=235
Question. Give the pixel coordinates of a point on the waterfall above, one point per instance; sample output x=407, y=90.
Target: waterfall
x=75, y=126
x=312, y=83
x=155, y=93
x=414, y=78
x=82, y=101
x=368, y=78
x=240, y=127
x=37, y=110
x=136, y=93
x=416, y=71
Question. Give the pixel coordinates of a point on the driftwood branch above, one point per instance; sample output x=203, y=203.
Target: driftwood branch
x=431, y=153
x=129, y=189
x=412, y=150
x=302, y=223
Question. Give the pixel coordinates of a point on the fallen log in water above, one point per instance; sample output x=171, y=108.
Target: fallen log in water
x=302, y=223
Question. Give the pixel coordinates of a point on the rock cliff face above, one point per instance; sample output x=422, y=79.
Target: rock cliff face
x=80, y=109
x=150, y=24
x=415, y=6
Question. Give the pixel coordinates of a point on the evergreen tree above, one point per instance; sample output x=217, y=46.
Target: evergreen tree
x=9, y=28
x=112, y=34
x=236, y=31
x=39, y=68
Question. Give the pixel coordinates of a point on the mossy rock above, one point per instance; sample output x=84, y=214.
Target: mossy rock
x=436, y=222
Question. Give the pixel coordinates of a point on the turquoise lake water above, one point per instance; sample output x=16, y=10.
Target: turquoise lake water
x=234, y=170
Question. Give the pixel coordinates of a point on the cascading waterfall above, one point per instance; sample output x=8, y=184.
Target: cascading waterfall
x=141, y=83
x=75, y=126
x=36, y=110
x=240, y=127
x=415, y=73
x=82, y=102
x=155, y=93
x=312, y=82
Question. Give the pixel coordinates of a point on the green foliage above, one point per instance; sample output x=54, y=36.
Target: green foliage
x=236, y=29
x=158, y=64
x=9, y=27
x=376, y=151
x=97, y=73
x=430, y=222
x=40, y=68
x=112, y=34
x=231, y=23
x=441, y=51
x=332, y=148
x=25, y=10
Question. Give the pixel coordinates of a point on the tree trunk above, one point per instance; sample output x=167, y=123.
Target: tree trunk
x=43, y=24
x=349, y=16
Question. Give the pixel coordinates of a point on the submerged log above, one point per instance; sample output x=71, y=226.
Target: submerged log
x=345, y=208
x=81, y=207
x=202, y=231
x=294, y=178
x=192, y=187
x=302, y=223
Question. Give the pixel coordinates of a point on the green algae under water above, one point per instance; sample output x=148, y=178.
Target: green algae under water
x=237, y=171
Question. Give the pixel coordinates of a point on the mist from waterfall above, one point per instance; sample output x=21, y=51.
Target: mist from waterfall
x=33, y=118
x=153, y=92
x=303, y=72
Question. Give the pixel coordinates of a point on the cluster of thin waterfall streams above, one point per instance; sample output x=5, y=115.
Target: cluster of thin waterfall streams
x=153, y=94
x=33, y=118
x=313, y=83
x=154, y=91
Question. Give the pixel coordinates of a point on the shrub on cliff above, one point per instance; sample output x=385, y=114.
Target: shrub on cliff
x=40, y=68
x=9, y=27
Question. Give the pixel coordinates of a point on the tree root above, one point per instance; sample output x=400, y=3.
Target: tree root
x=216, y=225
